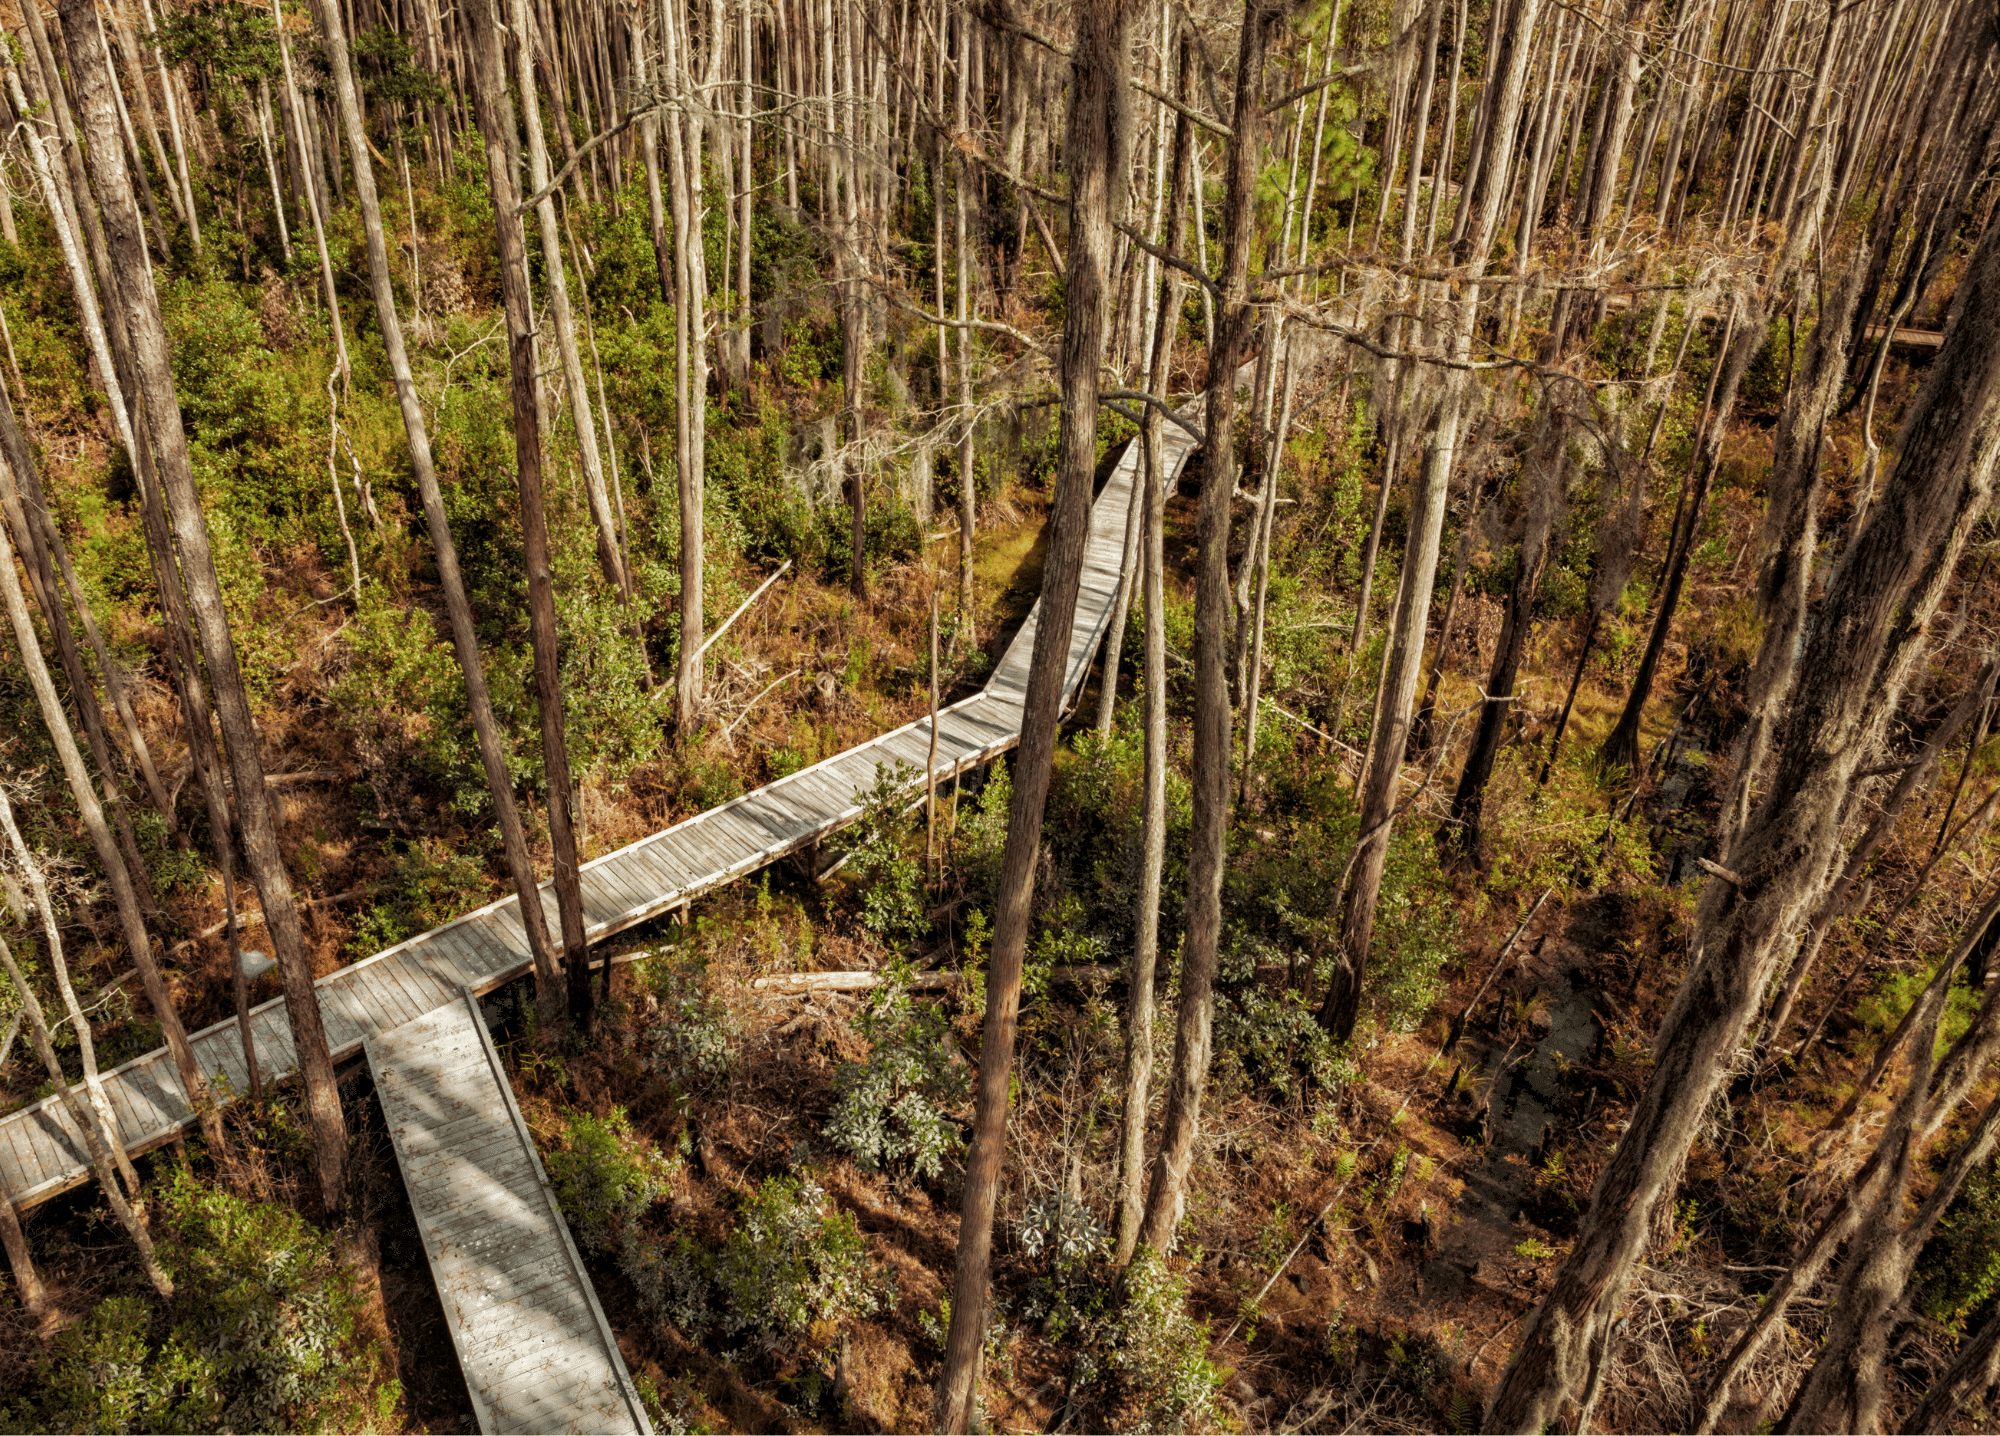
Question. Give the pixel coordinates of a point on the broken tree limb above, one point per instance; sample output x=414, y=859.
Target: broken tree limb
x=800, y=983
x=1499, y=965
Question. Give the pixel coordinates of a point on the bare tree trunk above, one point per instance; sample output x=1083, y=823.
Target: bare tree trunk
x=465, y=637
x=1096, y=156
x=1972, y=1373
x=33, y=1295
x=968, y=489
x=1858, y=657
x=1544, y=501
x=141, y=316
x=1381, y=780
x=690, y=372
x=50, y=548
x=609, y=559
x=1840, y=895
x=38, y=892
x=1789, y=540
x=86, y=1125
x=1153, y=821
x=187, y=209
x=496, y=120
x=1235, y=326
x=649, y=150
x=1621, y=748
x=1844, y=1389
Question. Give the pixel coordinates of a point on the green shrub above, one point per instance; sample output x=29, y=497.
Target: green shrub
x=429, y=884
x=891, y=1108
x=264, y=1334
x=791, y=1269
x=606, y=1177
x=880, y=854
x=693, y=1043
x=1162, y=1352
x=1960, y=1267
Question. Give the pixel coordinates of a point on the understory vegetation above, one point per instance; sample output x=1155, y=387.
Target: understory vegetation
x=1495, y=930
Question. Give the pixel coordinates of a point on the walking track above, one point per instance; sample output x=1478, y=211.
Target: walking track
x=536, y=1350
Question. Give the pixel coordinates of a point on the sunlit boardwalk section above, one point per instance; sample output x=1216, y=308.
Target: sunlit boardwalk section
x=40, y=1154
x=531, y=1338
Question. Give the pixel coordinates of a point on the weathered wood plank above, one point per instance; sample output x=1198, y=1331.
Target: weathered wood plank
x=691, y=857
x=530, y=1338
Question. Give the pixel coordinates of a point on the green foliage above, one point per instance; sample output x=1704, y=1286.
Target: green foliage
x=389, y=72
x=1266, y=1042
x=693, y=1043
x=220, y=38
x=1960, y=1267
x=1162, y=1352
x=891, y=1108
x=880, y=849
x=430, y=883
x=606, y=1176
x=1879, y=1011
x=791, y=1270
x=792, y=1263
x=265, y=1332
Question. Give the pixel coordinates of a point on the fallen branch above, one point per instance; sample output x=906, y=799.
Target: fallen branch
x=245, y=919
x=801, y=983
x=1499, y=965
x=743, y=606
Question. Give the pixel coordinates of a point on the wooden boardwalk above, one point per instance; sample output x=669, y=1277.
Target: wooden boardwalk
x=41, y=1155
x=537, y=1353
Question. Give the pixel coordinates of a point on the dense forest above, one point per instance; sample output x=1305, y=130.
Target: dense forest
x=1500, y=938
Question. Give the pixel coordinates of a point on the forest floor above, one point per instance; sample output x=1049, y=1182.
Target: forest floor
x=1403, y=1234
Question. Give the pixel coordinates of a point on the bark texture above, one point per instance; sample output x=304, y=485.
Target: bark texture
x=1096, y=144
x=1857, y=661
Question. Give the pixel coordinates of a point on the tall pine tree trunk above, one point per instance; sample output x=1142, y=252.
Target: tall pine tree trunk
x=1096, y=156
x=496, y=121
x=1235, y=326
x=1857, y=661
x=1153, y=819
x=465, y=637
x=140, y=308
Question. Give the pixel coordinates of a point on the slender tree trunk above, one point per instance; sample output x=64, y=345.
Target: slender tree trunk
x=49, y=555
x=38, y=893
x=1153, y=820
x=690, y=375
x=465, y=638
x=1096, y=156
x=33, y=1295
x=1381, y=779
x=968, y=487
x=1235, y=326
x=649, y=151
x=1840, y=894
x=1461, y=831
x=83, y=793
x=1858, y=658
x=141, y=316
x=609, y=559
x=1789, y=540
x=188, y=212
x=496, y=120
x=1621, y=748
x=86, y=1125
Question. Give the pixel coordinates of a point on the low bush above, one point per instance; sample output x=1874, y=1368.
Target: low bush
x=881, y=855
x=792, y=1269
x=891, y=1108
x=606, y=1177
x=265, y=1333
x=693, y=1042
